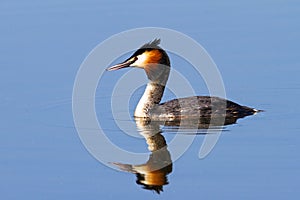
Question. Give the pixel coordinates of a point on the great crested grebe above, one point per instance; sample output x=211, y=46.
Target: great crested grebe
x=156, y=63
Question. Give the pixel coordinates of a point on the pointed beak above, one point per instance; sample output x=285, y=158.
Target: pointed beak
x=124, y=64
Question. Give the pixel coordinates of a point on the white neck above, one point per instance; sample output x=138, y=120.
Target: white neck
x=151, y=97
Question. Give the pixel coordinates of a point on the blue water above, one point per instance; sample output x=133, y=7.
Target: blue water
x=255, y=46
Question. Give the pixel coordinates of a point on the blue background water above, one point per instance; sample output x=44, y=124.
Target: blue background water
x=255, y=45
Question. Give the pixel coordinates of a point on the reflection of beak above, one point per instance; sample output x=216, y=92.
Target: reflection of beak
x=120, y=66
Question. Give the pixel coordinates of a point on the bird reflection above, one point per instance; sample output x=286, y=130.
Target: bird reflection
x=152, y=175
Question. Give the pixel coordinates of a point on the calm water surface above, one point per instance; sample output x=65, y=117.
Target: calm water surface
x=255, y=45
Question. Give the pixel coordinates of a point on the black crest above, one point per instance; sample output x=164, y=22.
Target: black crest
x=152, y=45
x=148, y=46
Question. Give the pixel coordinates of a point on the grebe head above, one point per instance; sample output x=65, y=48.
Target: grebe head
x=150, y=57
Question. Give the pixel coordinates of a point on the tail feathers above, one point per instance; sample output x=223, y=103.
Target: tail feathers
x=246, y=111
x=257, y=110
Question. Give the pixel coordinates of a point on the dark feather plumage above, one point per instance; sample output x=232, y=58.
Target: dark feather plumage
x=201, y=106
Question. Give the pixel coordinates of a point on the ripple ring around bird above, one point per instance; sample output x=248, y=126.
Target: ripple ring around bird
x=91, y=70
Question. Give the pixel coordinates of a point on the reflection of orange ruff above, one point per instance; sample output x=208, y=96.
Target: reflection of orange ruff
x=157, y=178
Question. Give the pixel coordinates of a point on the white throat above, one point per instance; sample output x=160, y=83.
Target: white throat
x=151, y=97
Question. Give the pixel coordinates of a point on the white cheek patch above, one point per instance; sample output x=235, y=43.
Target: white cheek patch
x=141, y=60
